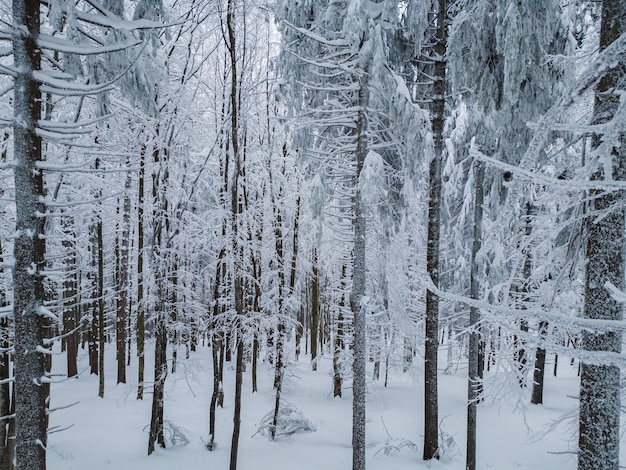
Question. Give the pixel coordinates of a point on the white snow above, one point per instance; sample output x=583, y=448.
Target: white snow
x=112, y=432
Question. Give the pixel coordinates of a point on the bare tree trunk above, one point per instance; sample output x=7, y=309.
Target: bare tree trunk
x=93, y=324
x=174, y=310
x=160, y=374
x=123, y=288
x=315, y=309
x=338, y=343
x=235, y=210
x=337, y=348
x=234, y=448
x=100, y=301
x=29, y=248
x=540, y=367
x=431, y=400
x=161, y=260
x=217, y=387
x=599, y=415
x=358, y=285
x=474, y=385
x=69, y=300
x=141, y=321
x=524, y=290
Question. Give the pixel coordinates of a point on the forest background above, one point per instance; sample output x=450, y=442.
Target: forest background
x=419, y=185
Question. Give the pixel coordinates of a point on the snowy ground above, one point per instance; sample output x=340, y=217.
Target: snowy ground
x=112, y=433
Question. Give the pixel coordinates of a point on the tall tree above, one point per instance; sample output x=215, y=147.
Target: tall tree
x=599, y=415
x=29, y=250
x=431, y=402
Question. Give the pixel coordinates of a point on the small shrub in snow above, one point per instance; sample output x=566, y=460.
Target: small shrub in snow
x=394, y=446
x=174, y=435
x=290, y=421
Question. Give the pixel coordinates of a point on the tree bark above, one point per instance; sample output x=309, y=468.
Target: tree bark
x=536, y=397
x=100, y=301
x=123, y=288
x=141, y=322
x=599, y=415
x=315, y=308
x=234, y=448
x=69, y=299
x=431, y=406
x=358, y=285
x=29, y=248
x=235, y=210
x=160, y=374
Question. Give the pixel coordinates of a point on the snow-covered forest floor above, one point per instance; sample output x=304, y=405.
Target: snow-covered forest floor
x=112, y=433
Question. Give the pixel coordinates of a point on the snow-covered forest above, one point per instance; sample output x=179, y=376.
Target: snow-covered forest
x=312, y=233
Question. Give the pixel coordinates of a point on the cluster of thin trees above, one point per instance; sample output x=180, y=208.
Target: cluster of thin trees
x=357, y=179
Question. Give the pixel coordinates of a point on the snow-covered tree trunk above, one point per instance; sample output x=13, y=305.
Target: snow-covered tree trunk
x=358, y=289
x=141, y=308
x=599, y=414
x=431, y=402
x=29, y=249
x=100, y=293
x=123, y=287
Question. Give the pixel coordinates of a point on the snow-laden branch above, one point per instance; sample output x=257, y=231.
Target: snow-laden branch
x=538, y=177
x=539, y=314
x=54, y=43
x=107, y=19
x=61, y=87
x=618, y=295
x=317, y=37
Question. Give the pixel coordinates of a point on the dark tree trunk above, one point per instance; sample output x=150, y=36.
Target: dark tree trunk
x=235, y=207
x=123, y=288
x=524, y=293
x=315, y=309
x=160, y=374
x=100, y=302
x=278, y=376
x=173, y=281
x=217, y=387
x=599, y=415
x=474, y=384
x=337, y=348
x=141, y=321
x=69, y=299
x=255, y=357
x=540, y=367
x=234, y=448
x=556, y=364
x=93, y=278
x=339, y=334
x=431, y=399
x=29, y=248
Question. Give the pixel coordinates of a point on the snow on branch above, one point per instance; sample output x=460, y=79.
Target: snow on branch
x=54, y=43
x=618, y=295
x=542, y=177
x=60, y=87
x=44, y=312
x=107, y=19
x=510, y=313
x=317, y=37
